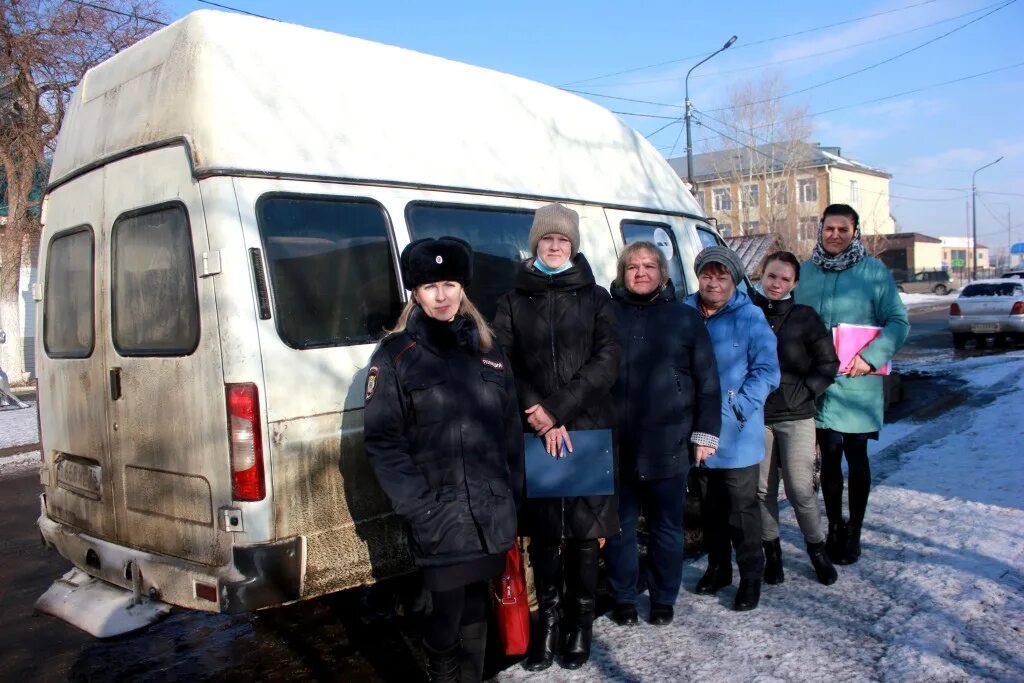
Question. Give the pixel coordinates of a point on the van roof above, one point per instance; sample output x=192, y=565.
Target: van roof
x=253, y=95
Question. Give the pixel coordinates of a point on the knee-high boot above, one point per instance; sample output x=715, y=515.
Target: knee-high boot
x=545, y=633
x=581, y=576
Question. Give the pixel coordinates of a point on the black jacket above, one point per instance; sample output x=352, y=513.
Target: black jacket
x=443, y=436
x=668, y=384
x=807, y=359
x=560, y=334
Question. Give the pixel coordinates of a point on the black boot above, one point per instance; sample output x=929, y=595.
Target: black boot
x=443, y=664
x=851, y=550
x=835, y=542
x=581, y=576
x=471, y=656
x=625, y=615
x=717, y=576
x=747, y=595
x=544, y=634
x=822, y=565
x=773, y=573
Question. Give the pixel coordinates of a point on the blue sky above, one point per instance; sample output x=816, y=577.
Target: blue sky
x=930, y=140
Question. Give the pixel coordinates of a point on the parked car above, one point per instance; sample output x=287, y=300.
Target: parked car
x=1013, y=274
x=929, y=282
x=988, y=308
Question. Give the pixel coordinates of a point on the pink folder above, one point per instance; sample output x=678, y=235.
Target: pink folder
x=851, y=340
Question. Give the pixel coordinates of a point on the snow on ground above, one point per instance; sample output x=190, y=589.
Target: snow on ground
x=938, y=594
x=19, y=464
x=927, y=300
x=18, y=426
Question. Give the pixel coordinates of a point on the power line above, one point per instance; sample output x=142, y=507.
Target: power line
x=235, y=9
x=137, y=17
x=800, y=58
x=752, y=44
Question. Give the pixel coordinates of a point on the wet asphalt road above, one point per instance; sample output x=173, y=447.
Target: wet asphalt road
x=351, y=636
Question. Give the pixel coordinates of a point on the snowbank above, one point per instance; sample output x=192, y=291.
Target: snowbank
x=937, y=594
x=927, y=300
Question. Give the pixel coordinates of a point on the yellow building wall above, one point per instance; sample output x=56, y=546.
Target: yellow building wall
x=871, y=200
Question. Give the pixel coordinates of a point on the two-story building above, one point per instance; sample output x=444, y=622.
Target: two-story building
x=782, y=189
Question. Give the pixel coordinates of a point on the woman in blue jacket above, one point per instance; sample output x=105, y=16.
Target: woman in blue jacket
x=748, y=370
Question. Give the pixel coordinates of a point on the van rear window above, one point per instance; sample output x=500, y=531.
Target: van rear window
x=331, y=269
x=155, y=309
x=500, y=240
x=68, y=300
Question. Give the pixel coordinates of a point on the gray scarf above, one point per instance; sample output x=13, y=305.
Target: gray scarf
x=847, y=258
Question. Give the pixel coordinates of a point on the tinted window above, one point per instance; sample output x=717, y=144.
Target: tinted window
x=68, y=301
x=155, y=309
x=707, y=238
x=500, y=239
x=661, y=235
x=331, y=269
x=995, y=289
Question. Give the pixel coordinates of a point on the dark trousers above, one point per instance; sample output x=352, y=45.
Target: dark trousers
x=730, y=513
x=451, y=611
x=663, y=502
x=834, y=445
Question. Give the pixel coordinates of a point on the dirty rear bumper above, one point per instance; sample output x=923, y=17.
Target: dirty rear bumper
x=259, y=576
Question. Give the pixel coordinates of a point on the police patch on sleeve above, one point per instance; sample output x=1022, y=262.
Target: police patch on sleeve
x=371, y=382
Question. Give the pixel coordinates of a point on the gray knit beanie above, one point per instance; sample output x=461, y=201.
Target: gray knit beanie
x=555, y=218
x=723, y=255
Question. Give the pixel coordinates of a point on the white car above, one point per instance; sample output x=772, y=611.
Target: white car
x=988, y=308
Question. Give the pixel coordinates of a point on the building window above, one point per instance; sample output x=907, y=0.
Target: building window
x=725, y=230
x=722, y=200
x=854, y=193
x=779, y=192
x=807, y=190
x=751, y=196
x=779, y=226
x=699, y=196
x=751, y=227
x=807, y=229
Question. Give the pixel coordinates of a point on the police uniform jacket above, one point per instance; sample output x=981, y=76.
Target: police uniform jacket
x=443, y=436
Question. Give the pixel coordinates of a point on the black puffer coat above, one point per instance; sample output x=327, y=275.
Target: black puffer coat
x=668, y=384
x=807, y=359
x=560, y=334
x=444, y=438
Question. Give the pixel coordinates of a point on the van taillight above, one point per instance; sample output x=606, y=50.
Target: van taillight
x=1018, y=308
x=954, y=309
x=247, y=481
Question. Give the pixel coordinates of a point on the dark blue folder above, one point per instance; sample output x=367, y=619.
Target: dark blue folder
x=588, y=471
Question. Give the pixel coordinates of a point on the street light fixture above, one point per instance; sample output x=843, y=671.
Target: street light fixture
x=974, y=219
x=689, y=110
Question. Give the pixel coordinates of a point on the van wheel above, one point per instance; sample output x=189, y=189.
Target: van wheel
x=959, y=341
x=941, y=290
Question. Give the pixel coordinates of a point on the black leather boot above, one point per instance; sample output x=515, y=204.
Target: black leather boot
x=822, y=565
x=835, y=542
x=544, y=639
x=717, y=576
x=581, y=576
x=471, y=655
x=851, y=549
x=747, y=595
x=443, y=664
x=773, y=573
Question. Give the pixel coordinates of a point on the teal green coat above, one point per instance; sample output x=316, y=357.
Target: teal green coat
x=864, y=294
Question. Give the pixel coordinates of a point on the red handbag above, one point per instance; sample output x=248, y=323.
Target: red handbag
x=512, y=604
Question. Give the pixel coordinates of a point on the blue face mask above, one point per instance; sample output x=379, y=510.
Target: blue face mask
x=542, y=267
x=760, y=290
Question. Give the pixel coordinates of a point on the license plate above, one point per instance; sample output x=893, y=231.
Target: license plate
x=985, y=327
x=80, y=477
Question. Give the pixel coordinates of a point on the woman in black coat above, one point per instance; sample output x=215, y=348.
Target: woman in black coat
x=669, y=400
x=558, y=329
x=444, y=437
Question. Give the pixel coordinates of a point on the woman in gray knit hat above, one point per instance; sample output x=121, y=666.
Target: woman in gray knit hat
x=558, y=329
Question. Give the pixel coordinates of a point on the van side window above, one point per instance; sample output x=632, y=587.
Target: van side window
x=500, y=240
x=68, y=299
x=661, y=235
x=707, y=238
x=331, y=269
x=155, y=309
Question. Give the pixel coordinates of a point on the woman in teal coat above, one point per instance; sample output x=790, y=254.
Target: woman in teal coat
x=845, y=285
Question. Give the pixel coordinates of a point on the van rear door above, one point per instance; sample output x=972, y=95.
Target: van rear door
x=167, y=416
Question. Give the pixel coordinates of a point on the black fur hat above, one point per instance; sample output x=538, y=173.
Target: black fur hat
x=434, y=260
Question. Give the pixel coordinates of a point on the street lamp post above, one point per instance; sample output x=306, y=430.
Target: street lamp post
x=974, y=219
x=689, y=110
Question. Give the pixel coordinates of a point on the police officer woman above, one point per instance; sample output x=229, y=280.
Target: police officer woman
x=444, y=438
